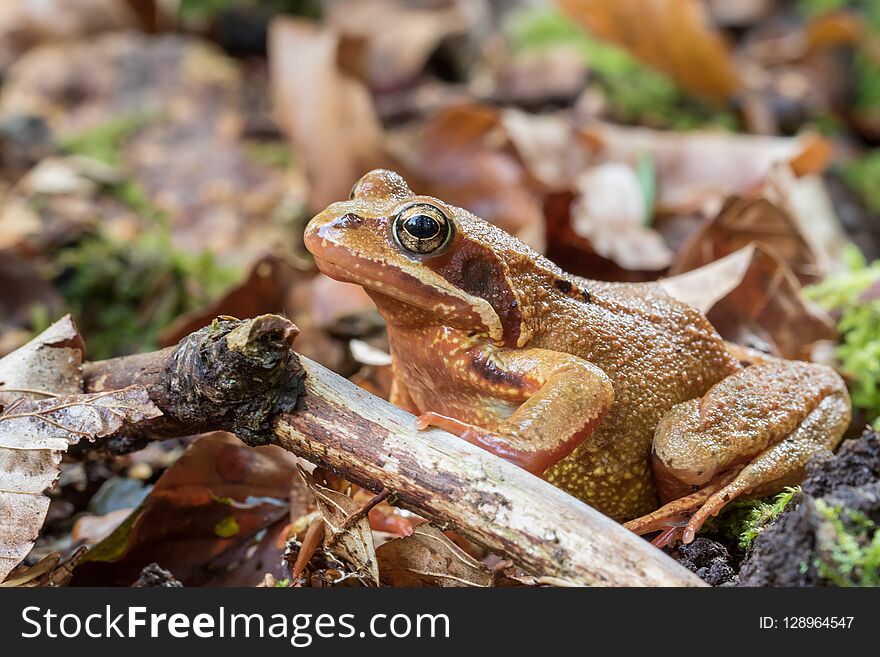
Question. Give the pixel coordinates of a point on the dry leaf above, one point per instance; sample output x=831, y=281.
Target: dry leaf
x=213, y=518
x=793, y=216
x=50, y=362
x=549, y=146
x=327, y=114
x=33, y=434
x=753, y=299
x=48, y=571
x=696, y=167
x=429, y=558
x=673, y=36
x=610, y=212
x=262, y=291
x=347, y=538
x=398, y=37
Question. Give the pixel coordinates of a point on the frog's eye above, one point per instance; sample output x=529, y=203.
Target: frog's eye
x=422, y=228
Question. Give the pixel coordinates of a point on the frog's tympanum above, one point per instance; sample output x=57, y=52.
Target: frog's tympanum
x=615, y=392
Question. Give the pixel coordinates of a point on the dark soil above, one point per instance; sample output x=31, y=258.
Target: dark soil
x=785, y=554
x=709, y=559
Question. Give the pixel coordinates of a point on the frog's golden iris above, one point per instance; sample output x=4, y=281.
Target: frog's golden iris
x=422, y=228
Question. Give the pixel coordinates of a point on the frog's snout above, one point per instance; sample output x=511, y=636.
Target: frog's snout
x=329, y=229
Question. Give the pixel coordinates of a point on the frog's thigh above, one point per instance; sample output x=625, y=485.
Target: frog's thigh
x=773, y=417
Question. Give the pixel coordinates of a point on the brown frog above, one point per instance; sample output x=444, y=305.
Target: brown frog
x=617, y=393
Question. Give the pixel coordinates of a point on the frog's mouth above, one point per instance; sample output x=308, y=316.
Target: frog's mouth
x=390, y=281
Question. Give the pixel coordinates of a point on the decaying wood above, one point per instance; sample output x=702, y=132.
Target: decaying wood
x=367, y=440
x=233, y=375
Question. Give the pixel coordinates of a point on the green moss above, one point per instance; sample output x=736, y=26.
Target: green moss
x=743, y=520
x=762, y=513
x=863, y=176
x=269, y=153
x=859, y=349
x=851, y=556
x=636, y=93
x=123, y=294
x=207, y=10
x=105, y=142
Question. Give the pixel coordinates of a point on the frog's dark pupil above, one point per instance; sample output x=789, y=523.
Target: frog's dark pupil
x=421, y=226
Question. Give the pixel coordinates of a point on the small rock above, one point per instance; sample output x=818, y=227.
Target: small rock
x=153, y=576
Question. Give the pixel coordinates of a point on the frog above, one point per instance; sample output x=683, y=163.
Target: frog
x=618, y=393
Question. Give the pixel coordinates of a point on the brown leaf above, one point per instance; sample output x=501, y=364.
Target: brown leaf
x=33, y=435
x=694, y=168
x=753, y=299
x=610, y=212
x=48, y=571
x=792, y=216
x=398, y=37
x=429, y=558
x=347, y=532
x=673, y=36
x=262, y=291
x=213, y=518
x=327, y=114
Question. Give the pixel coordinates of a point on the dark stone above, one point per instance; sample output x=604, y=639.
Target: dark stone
x=152, y=576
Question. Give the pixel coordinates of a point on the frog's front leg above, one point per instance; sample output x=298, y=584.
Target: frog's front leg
x=751, y=433
x=565, y=399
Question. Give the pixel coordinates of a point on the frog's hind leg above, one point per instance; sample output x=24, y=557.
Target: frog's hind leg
x=763, y=423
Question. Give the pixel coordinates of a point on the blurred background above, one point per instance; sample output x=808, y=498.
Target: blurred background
x=159, y=160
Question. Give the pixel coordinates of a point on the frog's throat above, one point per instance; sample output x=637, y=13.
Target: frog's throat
x=422, y=289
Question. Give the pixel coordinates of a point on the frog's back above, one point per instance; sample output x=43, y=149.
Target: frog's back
x=658, y=352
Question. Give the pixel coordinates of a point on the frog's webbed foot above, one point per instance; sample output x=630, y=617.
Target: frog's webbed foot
x=751, y=433
x=673, y=519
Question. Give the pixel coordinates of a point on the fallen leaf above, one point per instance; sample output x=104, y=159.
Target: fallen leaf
x=213, y=518
x=549, y=146
x=673, y=36
x=398, y=37
x=610, y=212
x=262, y=291
x=694, y=168
x=336, y=131
x=51, y=362
x=753, y=299
x=347, y=534
x=48, y=571
x=33, y=435
x=793, y=216
x=428, y=558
